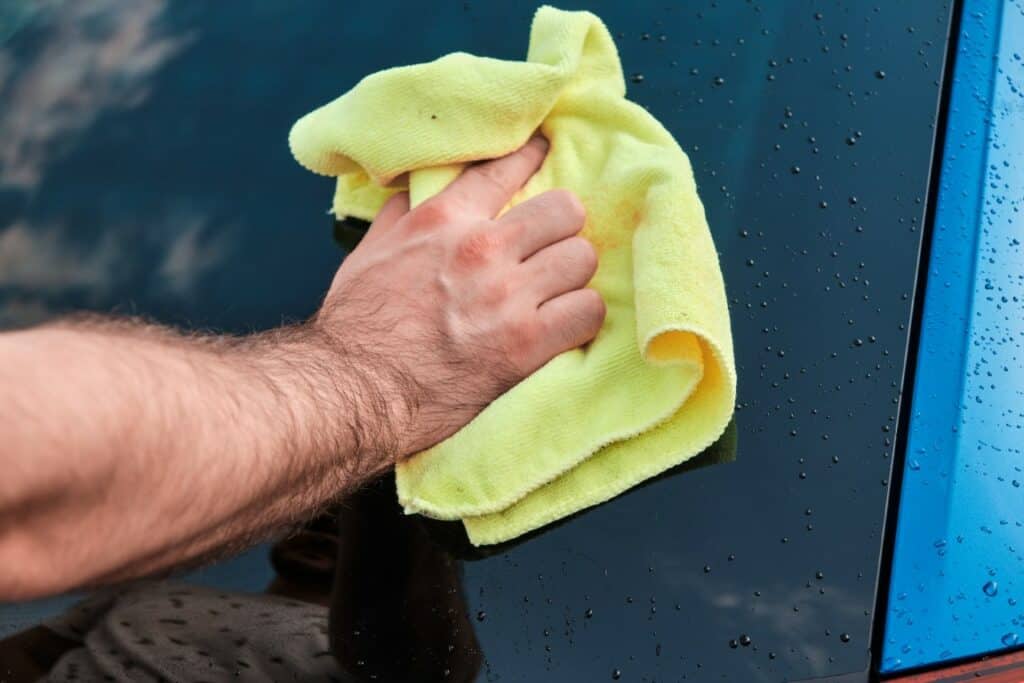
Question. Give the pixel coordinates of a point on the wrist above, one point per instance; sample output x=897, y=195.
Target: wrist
x=342, y=404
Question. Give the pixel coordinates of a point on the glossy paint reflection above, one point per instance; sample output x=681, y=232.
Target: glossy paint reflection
x=168, y=190
x=398, y=612
x=958, y=571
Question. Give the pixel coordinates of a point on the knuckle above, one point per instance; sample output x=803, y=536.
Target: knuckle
x=493, y=174
x=571, y=205
x=592, y=309
x=475, y=249
x=431, y=214
x=585, y=255
x=581, y=321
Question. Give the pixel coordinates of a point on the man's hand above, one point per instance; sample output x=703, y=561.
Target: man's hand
x=447, y=307
x=128, y=448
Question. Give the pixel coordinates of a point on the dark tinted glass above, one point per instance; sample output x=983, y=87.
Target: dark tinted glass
x=144, y=169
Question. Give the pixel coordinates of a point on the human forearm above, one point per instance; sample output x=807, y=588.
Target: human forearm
x=167, y=447
x=131, y=449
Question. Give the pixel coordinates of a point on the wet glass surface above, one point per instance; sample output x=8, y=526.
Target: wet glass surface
x=144, y=169
x=957, y=570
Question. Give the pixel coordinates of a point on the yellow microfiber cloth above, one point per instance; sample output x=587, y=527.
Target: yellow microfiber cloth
x=658, y=384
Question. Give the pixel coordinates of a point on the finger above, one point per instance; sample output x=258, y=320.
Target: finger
x=560, y=268
x=394, y=208
x=571, y=320
x=484, y=188
x=544, y=220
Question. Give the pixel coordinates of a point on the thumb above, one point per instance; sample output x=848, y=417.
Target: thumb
x=394, y=208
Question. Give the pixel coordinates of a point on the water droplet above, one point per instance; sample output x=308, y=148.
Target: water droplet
x=915, y=465
x=481, y=615
x=879, y=74
x=589, y=613
x=616, y=674
x=1009, y=639
x=707, y=569
x=844, y=637
x=795, y=170
x=719, y=80
x=991, y=588
x=637, y=78
x=734, y=643
x=745, y=640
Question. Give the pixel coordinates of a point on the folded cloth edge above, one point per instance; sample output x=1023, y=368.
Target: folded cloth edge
x=481, y=531
x=414, y=505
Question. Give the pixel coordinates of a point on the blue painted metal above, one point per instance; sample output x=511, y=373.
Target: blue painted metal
x=958, y=568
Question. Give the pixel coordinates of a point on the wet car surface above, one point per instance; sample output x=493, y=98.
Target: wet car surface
x=144, y=170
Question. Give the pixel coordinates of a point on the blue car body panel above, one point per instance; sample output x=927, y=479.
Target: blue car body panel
x=957, y=579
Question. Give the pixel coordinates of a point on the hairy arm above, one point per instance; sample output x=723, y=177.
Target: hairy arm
x=128, y=448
